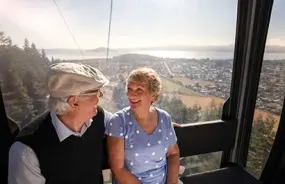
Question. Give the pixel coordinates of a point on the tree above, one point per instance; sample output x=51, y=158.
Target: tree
x=18, y=104
x=261, y=141
x=194, y=113
x=211, y=113
x=5, y=41
x=21, y=73
x=26, y=45
x=43, y=54
x=9, y=41
x=119, y=95
x=179, y=112
x=2, y=38
x=34, y=48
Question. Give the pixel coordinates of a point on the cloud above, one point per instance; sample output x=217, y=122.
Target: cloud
x=276, y=41
x=37, y=20
x=167, y=22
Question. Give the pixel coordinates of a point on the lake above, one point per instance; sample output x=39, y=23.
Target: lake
x=73, y=55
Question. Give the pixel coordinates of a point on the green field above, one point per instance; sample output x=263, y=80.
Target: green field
x=171, y=87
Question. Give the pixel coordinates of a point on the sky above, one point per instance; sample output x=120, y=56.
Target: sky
x=135, y=23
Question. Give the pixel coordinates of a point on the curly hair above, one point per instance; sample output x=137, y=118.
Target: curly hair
x=149, y=76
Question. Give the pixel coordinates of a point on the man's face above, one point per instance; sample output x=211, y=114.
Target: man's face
x=85, y=105
x=88, y=107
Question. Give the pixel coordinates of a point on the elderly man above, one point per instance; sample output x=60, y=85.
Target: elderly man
x=66, y=144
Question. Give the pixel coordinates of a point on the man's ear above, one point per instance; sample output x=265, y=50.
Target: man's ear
x=72, y=102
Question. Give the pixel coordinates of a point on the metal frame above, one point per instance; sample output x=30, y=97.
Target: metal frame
x=230, y=106
x=257, y=27
x=205, y=137
x=6, y=139
x=252, y=26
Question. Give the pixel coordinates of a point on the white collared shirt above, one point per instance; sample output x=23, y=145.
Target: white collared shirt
x=64, y=132
x=24, y=167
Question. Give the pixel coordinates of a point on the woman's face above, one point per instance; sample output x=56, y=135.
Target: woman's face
x=139, y=95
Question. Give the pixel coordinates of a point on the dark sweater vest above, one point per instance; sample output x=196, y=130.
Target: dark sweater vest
x=75, y=160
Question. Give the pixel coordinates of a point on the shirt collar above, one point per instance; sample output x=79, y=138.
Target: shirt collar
x=63, y=131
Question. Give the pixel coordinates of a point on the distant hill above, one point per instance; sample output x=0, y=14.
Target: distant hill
x=63, y=50
x=275, y=49
x=101, y=49
x=133, y=57
x=60, y=50
x=218, y=48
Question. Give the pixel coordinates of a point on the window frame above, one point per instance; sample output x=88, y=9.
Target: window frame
x=251, y=36
x=232, y=132
x=6, y=139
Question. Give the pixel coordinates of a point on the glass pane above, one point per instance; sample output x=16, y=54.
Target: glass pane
x=270, y=95
x=33, y=34
x=200, y=163
x=176, y=38
x=190, y=45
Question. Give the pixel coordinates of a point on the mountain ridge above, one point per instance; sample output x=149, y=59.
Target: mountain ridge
x=219, y=48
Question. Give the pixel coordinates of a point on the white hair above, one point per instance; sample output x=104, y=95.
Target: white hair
x=59, y=105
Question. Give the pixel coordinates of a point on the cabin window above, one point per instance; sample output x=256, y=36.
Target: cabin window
x=270, y=96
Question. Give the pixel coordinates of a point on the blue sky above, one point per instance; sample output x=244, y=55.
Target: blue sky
x=136, y=23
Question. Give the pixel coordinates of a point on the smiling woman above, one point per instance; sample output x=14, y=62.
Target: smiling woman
x=141, y=135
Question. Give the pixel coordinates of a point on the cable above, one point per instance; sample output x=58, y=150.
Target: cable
x=109, y=30
x=61, y=15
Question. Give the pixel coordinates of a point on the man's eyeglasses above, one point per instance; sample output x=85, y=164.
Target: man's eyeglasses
x=98, y=93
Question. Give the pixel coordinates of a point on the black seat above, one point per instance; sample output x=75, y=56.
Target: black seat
x=230, y=175
x=207, y=137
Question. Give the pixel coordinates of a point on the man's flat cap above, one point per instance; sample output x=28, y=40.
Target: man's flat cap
x=66, y=79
